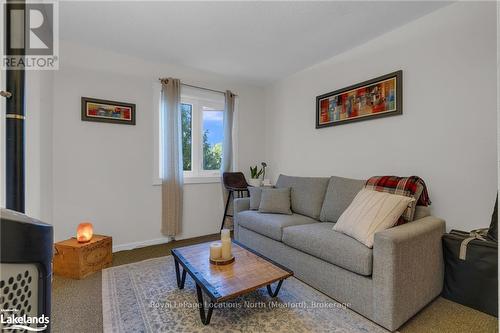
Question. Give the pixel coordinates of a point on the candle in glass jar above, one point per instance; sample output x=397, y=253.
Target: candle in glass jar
x=225, y=234
x=215, y=251
x=226, y=249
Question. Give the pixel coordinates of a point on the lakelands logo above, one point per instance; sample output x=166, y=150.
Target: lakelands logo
x=30, y=35
x=9, y=321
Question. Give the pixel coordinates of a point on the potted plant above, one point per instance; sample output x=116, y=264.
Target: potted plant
x=255, y=173
x=265, y=182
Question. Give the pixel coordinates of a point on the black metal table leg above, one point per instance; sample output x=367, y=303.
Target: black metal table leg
x=180, y=280
x=205, y=319
x=275, y=293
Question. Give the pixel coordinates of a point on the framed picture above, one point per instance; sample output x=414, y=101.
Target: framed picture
x=107, y=111
x=375, y=98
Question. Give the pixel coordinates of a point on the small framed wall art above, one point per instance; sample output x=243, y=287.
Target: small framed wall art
x=375, y=98
x=107, y=111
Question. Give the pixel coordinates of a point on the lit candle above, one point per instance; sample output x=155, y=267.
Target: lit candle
x=225, y=234
x=215, y=250
x=226, y=248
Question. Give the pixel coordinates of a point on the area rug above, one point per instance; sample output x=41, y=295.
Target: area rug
x=143, y=297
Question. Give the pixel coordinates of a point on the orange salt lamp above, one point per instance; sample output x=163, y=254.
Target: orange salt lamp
x=84, y=232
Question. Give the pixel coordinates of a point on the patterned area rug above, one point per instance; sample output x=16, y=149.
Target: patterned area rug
x=143, y=297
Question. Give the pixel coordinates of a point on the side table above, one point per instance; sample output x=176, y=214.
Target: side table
x=78, y=260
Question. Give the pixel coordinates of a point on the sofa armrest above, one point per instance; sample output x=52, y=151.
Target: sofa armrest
x=239, y=205
x=408, y=270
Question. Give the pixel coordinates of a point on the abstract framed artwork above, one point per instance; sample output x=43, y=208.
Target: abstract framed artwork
x=375, y=98
x=107, y=111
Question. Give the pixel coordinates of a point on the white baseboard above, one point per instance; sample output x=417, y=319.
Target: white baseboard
x=136, y=245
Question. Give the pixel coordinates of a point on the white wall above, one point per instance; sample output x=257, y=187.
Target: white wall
x=104, y=172
x=446, y=135
x=38, y=144
x=498, y=92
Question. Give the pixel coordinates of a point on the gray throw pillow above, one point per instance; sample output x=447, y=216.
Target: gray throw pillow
x=275, y=200
x=255, y=194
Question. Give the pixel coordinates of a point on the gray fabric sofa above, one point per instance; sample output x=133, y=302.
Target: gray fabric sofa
x=387, y=284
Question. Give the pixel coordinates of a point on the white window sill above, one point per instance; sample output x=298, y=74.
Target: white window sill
x=194, y=180
x=201, y=180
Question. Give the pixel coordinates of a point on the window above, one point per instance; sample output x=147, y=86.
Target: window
x=212, y=138
x=202, y=135
x=202, y=122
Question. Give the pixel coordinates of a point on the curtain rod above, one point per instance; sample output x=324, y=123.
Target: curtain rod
x=198, y=87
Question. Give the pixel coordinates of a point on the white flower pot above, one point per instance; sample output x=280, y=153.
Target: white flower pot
x=255, y=182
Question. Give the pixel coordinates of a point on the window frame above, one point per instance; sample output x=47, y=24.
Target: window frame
x=189, y=173
x=197, y=171
x=156, y=165
x=217, y=107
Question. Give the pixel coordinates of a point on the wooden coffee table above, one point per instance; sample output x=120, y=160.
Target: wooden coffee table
x=249, y=271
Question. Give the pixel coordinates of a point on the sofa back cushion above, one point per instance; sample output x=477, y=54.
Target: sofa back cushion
x=339, y=195
x=307, y=193
x=255, y=195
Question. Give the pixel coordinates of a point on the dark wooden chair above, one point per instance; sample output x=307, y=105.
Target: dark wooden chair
x=233, y=182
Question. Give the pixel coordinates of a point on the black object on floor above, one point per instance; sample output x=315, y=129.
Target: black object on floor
x=493, y=230
x=26, y=265
x=471, y=268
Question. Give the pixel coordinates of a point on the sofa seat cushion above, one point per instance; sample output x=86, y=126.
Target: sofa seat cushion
x=271, y=225
x=321, y=241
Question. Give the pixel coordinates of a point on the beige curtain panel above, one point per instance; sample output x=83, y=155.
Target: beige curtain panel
x=227, y=144
x=172, y=172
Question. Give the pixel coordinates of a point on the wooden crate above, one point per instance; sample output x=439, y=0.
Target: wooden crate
x=79, y=260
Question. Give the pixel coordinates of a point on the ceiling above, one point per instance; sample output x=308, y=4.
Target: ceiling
x=255, y=41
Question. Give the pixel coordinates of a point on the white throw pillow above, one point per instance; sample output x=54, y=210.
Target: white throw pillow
x=370, y=212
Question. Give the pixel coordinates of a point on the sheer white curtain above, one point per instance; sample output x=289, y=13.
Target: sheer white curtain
x=172, y=171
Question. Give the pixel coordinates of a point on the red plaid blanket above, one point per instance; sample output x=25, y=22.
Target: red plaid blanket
x=408, y=186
